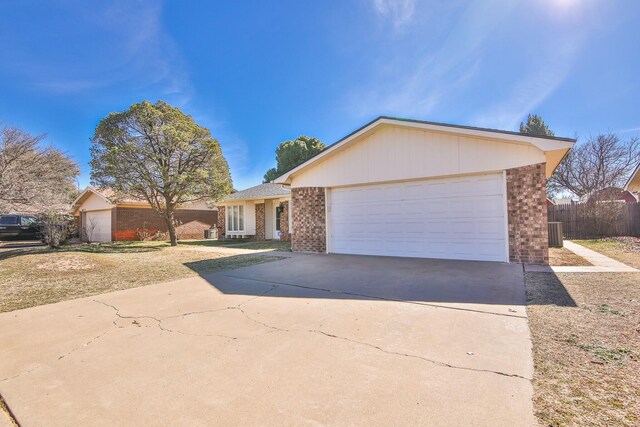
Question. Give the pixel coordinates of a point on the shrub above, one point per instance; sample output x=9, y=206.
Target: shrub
x=56, y=229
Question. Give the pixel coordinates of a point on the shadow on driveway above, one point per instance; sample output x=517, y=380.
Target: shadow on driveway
x=388, y=278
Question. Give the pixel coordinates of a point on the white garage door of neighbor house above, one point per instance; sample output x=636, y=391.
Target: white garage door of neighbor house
x=98, y=226
x=449, y=218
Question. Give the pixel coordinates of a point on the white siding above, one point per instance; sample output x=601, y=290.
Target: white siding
x=95, y=203
x=393, y=153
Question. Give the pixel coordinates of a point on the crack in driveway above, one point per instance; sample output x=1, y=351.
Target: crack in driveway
x=415, y=356
x=373, y=297
x=239, y=306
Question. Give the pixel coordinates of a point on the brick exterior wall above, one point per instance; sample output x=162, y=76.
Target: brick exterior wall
x=284, y=221
x=221, y=222
x=309, y=220
x=125, y=222
x=260, y=223
x=527, y=214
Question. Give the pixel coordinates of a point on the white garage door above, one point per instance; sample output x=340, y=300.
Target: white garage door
x=450, y=218
x=98, y=226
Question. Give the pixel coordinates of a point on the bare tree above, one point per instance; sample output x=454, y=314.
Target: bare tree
x=88, y=229
x=34, y=178
x=601, y=162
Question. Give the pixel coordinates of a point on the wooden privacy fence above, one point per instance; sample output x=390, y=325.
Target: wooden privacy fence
x=598, y=219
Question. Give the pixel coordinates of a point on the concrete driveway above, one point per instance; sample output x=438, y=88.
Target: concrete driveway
x=309, y=340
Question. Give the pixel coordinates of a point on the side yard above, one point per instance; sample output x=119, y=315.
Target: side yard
x=38, y=275
x=623, y=249
x=586, y=342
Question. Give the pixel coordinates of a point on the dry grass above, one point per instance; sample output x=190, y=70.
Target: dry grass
x=623, y=249
x=241, y=244
x=586, y=345
x=563, y=256
x=36, y=276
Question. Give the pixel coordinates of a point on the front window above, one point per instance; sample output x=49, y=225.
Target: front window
x=235, y=218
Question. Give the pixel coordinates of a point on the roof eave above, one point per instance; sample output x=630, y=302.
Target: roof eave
x=245, y=199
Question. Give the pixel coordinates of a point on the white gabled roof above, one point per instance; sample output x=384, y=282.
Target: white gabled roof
x=84, y=195
x=544, y=143
x=633, y=183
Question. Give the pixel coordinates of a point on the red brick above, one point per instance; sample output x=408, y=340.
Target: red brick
x=527, y=214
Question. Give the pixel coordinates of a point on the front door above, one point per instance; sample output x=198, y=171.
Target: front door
x=278, y=211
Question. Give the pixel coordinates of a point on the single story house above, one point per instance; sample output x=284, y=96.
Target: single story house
x=633, y=183
x=260, y=212
x=611, y=194
x=413, y=188
x=103, y=218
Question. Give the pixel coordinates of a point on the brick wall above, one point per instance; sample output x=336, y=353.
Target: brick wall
x=527, y=214
x=308, y=217
x=193, y=229
x=284, y=221
x=260, y=223
x=221, y=222
x=125, y=222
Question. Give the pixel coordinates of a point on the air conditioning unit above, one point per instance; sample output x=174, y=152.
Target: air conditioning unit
x=211, y=234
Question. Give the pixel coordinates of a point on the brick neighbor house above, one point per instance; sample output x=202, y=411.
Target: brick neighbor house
x=103, y=219
x=411, y=188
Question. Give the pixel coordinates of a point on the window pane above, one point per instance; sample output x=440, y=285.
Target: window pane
x=27, y=220
x=229, y=222
x=235, y=218
x=8, y=220
x=241, y=215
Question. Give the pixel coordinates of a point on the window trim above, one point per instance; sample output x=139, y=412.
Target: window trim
x=235, y=218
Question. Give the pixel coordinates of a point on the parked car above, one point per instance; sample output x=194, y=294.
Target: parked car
x=19, y=227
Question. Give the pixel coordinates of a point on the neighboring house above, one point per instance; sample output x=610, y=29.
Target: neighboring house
x=103, y=219
x=550, y=202
x=566, y=201
x=612, y=194
x=260, y=212
x=421, y=189
x=633, y=184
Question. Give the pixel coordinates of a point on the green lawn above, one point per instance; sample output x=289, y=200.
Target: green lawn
x=39, y=275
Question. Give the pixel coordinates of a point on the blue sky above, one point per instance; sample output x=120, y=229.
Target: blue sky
x=257, y=73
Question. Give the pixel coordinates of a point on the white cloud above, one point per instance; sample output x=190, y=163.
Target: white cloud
x=534, y=88
x=416, y=85
x=637, y=129
x=399, y=12
x=103, y=45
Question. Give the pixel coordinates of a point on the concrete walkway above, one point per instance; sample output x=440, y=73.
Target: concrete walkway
x=601, y=263
x=314, y=340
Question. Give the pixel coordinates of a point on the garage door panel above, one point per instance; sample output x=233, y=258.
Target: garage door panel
x=452, y=218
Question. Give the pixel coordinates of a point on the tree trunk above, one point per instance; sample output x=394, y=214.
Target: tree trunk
x=171, y=226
